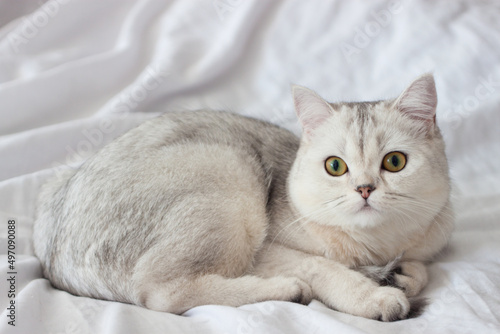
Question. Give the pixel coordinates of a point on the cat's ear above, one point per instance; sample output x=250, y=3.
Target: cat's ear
x=311, y=109
x=419, y=100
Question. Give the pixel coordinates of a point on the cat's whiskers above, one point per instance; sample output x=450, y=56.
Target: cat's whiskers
x=440, y=228
x=333, y=200
x=412, y=201
x=431, y=216
x=415, y=202
x=320, y=214
x=405, y=217
x=299, y=219
x=400, y=195
x=317, y=214
x=291, y=233
x=419, y=207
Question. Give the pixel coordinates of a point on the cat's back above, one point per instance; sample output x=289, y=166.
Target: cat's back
x=96, y=223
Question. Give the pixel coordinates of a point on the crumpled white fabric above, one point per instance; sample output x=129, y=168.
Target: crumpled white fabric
x=74, y=74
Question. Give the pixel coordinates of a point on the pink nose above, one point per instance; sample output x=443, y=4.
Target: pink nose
x=365, y=190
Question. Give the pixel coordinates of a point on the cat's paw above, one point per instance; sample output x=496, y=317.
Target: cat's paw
x=387, y=304
x=300, y=292
x=411, y=277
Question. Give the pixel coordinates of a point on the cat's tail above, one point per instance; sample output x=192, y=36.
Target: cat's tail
x=383, y=275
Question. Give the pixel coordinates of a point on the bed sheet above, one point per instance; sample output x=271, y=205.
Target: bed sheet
x=74, y=74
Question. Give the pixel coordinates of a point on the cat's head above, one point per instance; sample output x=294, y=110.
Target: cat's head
x=370, y=163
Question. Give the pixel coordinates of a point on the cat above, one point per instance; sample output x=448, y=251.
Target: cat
x=209, y=207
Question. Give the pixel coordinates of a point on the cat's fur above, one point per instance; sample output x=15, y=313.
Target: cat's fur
x=215, y=208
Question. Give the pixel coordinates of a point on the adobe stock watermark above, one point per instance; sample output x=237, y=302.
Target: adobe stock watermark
x=483, y=91
x=459, y=287
x=224, y=8
x=152, y=78
x=364, y=35
x=31, y=25
x=254, y=320
x=266, y=313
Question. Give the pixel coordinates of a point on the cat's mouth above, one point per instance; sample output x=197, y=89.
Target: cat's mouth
x=367, y=208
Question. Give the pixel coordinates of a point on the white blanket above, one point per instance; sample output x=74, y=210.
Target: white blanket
x=76, y=74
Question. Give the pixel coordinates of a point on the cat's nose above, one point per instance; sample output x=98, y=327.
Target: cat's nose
x=365, y=190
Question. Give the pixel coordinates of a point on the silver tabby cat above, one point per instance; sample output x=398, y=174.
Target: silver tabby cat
x=206, y=207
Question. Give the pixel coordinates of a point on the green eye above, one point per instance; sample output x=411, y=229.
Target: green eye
x=394, y=161
x=335, y=166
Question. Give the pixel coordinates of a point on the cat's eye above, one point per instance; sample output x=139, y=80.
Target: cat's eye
x=394, y=161
x=335, y=166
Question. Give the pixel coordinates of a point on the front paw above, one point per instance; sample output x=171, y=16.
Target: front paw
x=411, y=277
x=387, y=304
x=300, y=292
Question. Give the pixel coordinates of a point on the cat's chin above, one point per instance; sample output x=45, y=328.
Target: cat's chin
x=367, y=208
x=366, y=215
